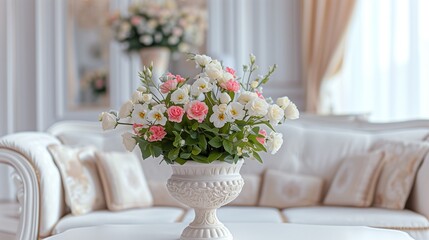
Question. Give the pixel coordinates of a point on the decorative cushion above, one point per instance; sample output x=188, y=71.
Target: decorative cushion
x=81, y=182
x=123, y=180
x=231, y=214
x=283, y=190
x=250, y=193
x=355, y=180
x=134, y=216
x=402, y=160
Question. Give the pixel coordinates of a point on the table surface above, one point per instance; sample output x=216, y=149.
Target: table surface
x=240, y=231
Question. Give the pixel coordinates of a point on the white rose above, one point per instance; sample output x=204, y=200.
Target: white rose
x=274, y=142
x=225, y=98
x=142, y=89
x=291, y=112
x=226, y=76
x=180, y=96
x=254, y=84
x=202, y=60
x=128, y=141
x=257, y=107
x=275, y=114
x=137, y=97
x=283, y=102
x=108, y=121
x=246, y=97
x=147, y=97
x=201, y=85
x=126, y=109
x=214, y=70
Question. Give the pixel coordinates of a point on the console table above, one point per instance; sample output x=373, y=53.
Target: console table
x=241, y=231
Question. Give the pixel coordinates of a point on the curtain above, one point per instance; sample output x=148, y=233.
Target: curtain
x=323, y=28
x=385, y=71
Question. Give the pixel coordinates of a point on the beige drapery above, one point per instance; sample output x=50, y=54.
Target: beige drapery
x=324, y=23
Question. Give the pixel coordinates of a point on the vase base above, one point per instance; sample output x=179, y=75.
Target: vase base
x=218, y=232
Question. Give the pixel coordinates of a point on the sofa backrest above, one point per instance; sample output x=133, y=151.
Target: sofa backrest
x=310, y=147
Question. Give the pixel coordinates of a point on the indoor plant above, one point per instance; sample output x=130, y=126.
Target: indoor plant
x=155, y=29
x=204, y=126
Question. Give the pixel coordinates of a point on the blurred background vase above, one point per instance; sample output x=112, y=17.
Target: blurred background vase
x=159, y=56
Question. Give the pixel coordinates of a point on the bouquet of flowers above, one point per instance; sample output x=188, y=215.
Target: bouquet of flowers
x=214, y=116
x=152, y=24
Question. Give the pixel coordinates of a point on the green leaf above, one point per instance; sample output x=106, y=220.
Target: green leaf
x=177, y=127
x=200, y=159
x=215, y=142
x=228, y=146
x=193, y=134
x=213, y=156
x=173, y=154
x=180, y=161
x=196, y=150
x=157, y=151
x=145, y=152
x=202, y=142
x=185, y=155
x=257, y=157
x=195, y=126
x=229, y=159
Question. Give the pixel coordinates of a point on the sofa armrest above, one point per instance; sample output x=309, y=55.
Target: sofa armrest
x=39, y=182
x=419, y=197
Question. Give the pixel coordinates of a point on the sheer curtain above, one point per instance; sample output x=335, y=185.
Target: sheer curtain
x=386, y=64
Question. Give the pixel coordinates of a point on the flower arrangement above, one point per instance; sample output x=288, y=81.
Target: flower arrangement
x=97, y=81
x=214, y=116
x=154, y=24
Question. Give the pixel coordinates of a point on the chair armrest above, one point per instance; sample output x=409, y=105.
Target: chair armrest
x=419, y=197
x=40, y=189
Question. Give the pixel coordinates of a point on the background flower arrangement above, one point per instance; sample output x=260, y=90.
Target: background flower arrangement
x=214, y=116
x=97, y=81
x=154, y=24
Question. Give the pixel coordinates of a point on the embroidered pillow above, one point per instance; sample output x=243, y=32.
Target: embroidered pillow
x=283, y=190
x=82, y=186
x=123, y=180
x=355, y=181
x=402, y=159
x=250, y=193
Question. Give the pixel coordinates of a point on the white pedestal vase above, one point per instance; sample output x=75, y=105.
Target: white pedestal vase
x=205, y=188
x=160, y=56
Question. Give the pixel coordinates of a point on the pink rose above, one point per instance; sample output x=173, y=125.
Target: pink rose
x=259, y=95
x=175, y=114
x=168, y=86
x=136, y=20
x=137, y=127
x=231, y=71
x=231, y=85
x=180, y=79
x=197, y=110
x=262, y=139
x=157, y=133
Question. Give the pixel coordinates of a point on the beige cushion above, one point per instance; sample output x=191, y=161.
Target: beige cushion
x=282, y=190
x=402, y=160
x=33, y=146
x=249, y=195
x=123, y=181
x=82, y=186
x=161, y=196
x=374, y=217
x=231, y=214
x=355, y=180
x=8, y=225
x=134, y=216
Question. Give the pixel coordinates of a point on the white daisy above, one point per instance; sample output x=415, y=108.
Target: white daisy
x=236, y=111
x=156, y=116
x=218, y=118
x=201, y=85
x=139, y=114
x=180, y=96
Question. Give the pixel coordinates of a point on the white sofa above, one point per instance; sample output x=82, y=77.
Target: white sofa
x=311, y=146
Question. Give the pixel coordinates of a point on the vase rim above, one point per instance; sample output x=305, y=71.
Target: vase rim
x=196, y=164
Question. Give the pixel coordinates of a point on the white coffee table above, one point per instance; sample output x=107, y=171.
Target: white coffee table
x=241, y=231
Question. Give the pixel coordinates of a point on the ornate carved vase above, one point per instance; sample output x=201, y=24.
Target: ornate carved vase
x=205, y=188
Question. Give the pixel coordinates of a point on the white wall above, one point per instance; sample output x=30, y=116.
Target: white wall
x=270, y=29
x=17, y=74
